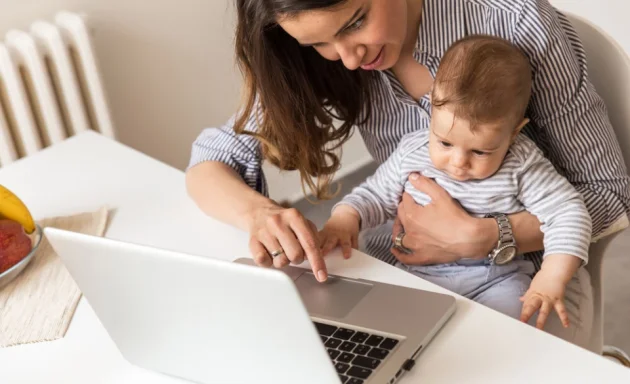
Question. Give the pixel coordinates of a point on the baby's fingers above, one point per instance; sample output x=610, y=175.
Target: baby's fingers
x=329, y=242
x=543, y=314
x=530, y=306
x=346, y=248
x=562, y=313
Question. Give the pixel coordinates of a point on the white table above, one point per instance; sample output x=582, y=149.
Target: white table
x=151, y=207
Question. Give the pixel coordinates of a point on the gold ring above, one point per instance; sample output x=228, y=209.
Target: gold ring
x=277, y=253
x=398, y=243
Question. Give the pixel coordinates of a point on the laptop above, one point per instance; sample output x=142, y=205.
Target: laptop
x=214, y=321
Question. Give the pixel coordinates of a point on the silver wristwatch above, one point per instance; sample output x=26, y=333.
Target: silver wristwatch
x=505, y=250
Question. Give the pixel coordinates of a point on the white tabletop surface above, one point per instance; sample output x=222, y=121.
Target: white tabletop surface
x=151, y=207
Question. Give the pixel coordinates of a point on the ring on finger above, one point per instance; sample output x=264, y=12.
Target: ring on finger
x=276, y=253
x=398, y=243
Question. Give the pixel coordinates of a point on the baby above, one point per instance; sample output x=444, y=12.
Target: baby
x=474, y=150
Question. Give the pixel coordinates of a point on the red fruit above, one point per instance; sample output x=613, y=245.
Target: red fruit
x=14, y=244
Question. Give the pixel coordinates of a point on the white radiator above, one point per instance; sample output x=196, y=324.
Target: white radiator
x=50, y=87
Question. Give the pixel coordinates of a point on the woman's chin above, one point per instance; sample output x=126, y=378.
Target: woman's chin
x=388, y=64
x=390, y=58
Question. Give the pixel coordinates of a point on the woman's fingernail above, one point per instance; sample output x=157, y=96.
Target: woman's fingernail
x=321, y=276
x=414, y=176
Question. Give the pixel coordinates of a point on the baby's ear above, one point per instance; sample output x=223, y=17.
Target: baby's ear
x=518, y=128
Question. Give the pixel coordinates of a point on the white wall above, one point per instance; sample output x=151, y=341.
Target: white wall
x=167, y=65
x=169, y=71
x=610, y=15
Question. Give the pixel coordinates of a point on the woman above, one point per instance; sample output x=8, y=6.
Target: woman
x=308, y=61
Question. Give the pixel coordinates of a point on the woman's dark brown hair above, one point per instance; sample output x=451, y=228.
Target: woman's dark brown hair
x=295, y=94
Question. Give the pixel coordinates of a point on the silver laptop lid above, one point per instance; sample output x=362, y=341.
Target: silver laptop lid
x=195, y=318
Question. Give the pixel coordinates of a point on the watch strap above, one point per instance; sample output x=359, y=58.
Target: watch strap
x=506, y=235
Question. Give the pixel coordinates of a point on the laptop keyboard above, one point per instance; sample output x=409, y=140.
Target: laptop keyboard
x=355, y=354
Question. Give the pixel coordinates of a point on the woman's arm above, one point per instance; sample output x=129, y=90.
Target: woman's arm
x=525, y=227
x=225, y=180
x=443, y=232
x=222, y=194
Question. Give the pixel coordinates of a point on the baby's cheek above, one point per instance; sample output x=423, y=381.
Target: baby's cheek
x=438, y=159
x=488, y=167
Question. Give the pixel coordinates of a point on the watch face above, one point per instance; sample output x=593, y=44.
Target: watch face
x=505, y=255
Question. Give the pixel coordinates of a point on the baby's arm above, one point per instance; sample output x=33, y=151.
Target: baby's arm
x=368, y=205
x=376, y=199
x=546, y=292
x=566, y=225
x=341, y=229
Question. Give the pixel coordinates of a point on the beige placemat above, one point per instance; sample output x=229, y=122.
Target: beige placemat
x=39, y=304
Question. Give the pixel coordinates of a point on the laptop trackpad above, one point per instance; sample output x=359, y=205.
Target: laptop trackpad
x=334, y=298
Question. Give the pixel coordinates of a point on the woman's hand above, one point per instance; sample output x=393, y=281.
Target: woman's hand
x=442, y=231
x=274, y=229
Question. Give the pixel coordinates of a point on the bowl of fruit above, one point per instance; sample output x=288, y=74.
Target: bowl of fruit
x=20, y=237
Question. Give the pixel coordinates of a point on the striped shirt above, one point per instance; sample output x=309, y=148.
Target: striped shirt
x=569, y=121
x=526, y=180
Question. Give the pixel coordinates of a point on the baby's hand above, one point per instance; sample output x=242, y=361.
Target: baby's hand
x=545, y=292
x=341, y=229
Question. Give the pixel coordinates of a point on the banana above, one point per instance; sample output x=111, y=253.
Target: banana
x=11, y=207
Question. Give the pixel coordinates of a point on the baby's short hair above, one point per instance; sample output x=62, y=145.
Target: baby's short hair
x=483, y=79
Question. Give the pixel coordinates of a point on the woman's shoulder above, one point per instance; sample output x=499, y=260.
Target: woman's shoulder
x=442, y=25
x=509, y=6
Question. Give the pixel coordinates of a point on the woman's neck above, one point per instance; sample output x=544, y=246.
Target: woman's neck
x=414, y=14
x=414, y=77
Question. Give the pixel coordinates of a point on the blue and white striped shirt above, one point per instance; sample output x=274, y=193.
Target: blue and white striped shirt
x=569, y=121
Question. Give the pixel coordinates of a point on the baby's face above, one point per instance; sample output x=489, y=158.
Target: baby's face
x=463, y=154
